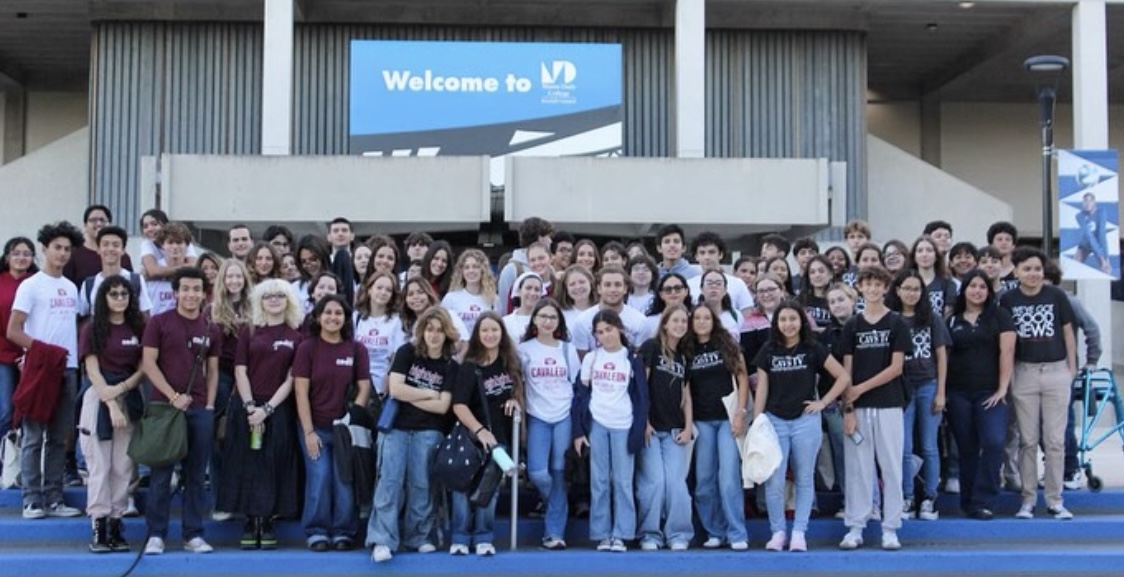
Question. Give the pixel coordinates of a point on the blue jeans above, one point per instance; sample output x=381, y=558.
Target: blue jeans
x=546, y=468
x=200, y=437
x=329, y=503
x=918, y=416
x=661, y=490
x=981, y=435
x=8, y=379
x=800, y=440
x=472, y=524
x=718, y=482
x=612, y=507
x=833, y=419
x=43, y=448
x=403, y=475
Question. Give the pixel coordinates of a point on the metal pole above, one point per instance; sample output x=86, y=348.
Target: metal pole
x=516, y=420
x=1046, y=99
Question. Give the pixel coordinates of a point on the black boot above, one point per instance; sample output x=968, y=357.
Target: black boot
x=116, y=536
x=268, y=534
x=251, y=533
x=98, y=539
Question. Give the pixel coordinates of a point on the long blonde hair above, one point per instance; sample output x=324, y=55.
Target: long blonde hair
x=487, y=279
x=223, y=312
x=294, y=315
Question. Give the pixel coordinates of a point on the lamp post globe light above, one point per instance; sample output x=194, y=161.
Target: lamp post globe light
x=1046, y=72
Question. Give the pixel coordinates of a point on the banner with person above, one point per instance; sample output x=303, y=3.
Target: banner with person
x=1089, y=214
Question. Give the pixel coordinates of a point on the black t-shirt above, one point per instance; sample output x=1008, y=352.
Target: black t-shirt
x=1008, y=283
x=921, y=358
x=423, y=373
x=665, y=386
x=1039, y=320
x=498, y=387
x=872, y=347
x=710, y=381
x=942, y=293
x=792, y=376
x=832, y=339
x=817, y=309
x=973, y=355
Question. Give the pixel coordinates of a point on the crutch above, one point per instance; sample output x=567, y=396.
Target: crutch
x=517, y=420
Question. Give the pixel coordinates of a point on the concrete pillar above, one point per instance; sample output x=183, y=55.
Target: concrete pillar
x=14, y=130
x=277, y=79
x=690, y=78
x=1090, y=131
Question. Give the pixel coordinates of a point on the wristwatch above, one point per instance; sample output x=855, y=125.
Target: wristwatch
x=848, y=409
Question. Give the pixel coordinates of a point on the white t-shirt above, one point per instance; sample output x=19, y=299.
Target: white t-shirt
x=149, y=247
x=740, y=296
x=161, y=296
x=516, y=325
x=86, y=298
x=571, y=316
x=582, y=331
x=467, y=306
x=641, y=302
x=51, y=306
x=548, y=376
x=608, y=375
x=382, y=336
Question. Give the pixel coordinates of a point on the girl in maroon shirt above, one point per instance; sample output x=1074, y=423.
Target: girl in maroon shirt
x=17, y=265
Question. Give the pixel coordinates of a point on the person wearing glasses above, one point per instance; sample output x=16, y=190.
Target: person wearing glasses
x=671, y=290
x=16, y=266
x=85, y=262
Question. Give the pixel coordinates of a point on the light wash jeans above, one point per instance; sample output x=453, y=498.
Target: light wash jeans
x=403, y=474
x=800, y=440
x=612, y=508
x=918, y=419
x=329, y=503
x=546, y=468
x=718, y=482
x=661, y=490
x=472, y=524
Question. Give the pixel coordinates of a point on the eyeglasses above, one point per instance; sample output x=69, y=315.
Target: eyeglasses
x=21, y=254
x=891, y=254
x=768, y=290
x=118, y=295
x=272, y=296
x=673, y=289
x=549, y=318
x=714, y=283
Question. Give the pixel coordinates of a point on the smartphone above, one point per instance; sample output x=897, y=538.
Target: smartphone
x=857, y=438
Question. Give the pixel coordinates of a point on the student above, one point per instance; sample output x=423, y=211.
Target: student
x=643, y=272
x=779, y=268
x=924, y=372
x=16, y=266
x=787, y=368
x=531, y=230
x=637, y=249
x=714, y=294
x=313, y=258
x=179, y=344
x=709, y=250
x=895, y=255
x=562, y=251
x=840, y=262
x=671, y=290
x=612, y=286
x=756, y=325
x=239, y=241
x=85, y=262
x=111, y=355
x=111, y=247
x=538, y=263
x=45, y=310
x=813, y=292
x=323, y=284
x=874, y=347
x=325, y=367
x=1004, y=237
x=529, y=287
x=841, y=300
x=961, y=259
x=384, y=256
x=550, y=366
x=991, y=263
x=289, y=271
x=151, y=255
x=613, y=254
x=610, y=424
x=804, y=249
x=280, y=238
x=378, y=326
x=260, y=482
x=661, y=483
x=925, y=258
x=472, y=290
x=981, y=360
x=856, y=233
x=670, y=244
x=209, y=263
x=436, y=267
x=417, y=296
x=421, y=380
x=416, y=245
x=173, y=239
x=745, y=268
x=774, y=246
x=490, y=375
x=586, y=255
x=941, y=233
x=1045, y=364
x=575, y=292
x=229, y=310
x=264, y=262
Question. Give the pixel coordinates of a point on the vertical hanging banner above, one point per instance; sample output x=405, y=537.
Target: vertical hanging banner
x=485, y=98
x=1089, y=213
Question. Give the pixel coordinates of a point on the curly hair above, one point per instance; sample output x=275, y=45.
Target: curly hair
x=487, y=279
x=101, y=325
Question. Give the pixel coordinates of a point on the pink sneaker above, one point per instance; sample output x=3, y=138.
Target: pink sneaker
x=777, y=543
x=797, y=543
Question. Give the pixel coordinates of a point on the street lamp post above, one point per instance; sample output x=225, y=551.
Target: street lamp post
x=1046, y=71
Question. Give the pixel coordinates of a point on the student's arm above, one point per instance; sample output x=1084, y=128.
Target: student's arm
x=741, y=422
x=212, y=381
x=849, y=420
x=761, y=396
x=16, y=334
x=842, y=381
x=398, y=389
x=438, y=406
x=304, y=413
x=1006, y=369
x=149, y=359
x=942, y=376
x=892, y=371
x=1070, y=348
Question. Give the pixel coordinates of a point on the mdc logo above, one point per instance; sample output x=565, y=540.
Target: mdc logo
x=474, y=308
x=610, y=366
x=549, y=361
x=373, y=332
x=62, y=292
x=558, y=72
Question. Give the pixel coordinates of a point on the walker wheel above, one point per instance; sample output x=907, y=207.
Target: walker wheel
x=1095, y=484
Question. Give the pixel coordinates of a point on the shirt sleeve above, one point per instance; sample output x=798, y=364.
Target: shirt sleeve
x=362, y=363
x=587, y=367
x=145, y=300
x=403, y=358
x=901, y=343
x=242, y=351
x=302, y=361
x=25, y=300
x=216, y=341
x=941, y=338
x=152, y=333
x=452, y=372
x=848, y=340
x=466, y=385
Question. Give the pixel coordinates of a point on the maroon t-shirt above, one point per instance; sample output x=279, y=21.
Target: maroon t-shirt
x=330, y=369
x=85, y=263
x=267, y=355
x=178, y=339
x=8, y=285
x=121, y=353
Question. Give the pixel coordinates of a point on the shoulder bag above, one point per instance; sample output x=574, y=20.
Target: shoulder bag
x=459, y=458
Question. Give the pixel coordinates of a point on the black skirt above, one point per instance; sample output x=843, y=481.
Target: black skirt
x=264, y=482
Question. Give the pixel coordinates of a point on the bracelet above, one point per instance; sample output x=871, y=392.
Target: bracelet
x=477, y=431
x=175, y=397
x=310, y=433
x=248, y=405
x=268, y=408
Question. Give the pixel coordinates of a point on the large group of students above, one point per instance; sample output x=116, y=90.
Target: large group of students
x=635, y=374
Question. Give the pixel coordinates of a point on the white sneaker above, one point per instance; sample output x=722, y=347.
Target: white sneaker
x=852, y=540
x=649, y=545
x=712, y=543
x=1026, y=511
x=928, y=511
x=458, y=549
x=427, y=548
x=380, y=553
x=154, y=546
x=61, y=509
x=198, y=545
x=678, y=546
x=485, y=550
x=605, y=545
x=618, y=546
x=1076, y=482
x=1060, y=513
x=221, y=516
x=798, y=542
x=952, y=486
x=739, y=545
x=777, y=542
x=131, y=509
x=890, y=541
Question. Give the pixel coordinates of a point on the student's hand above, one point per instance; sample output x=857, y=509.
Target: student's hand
x=110, y=392
x=117, y=416
x=580, y=444
x=938, y=404
x=255, y=416
x=649, y=430
x=813, y=407
x=312, y=445
x=739, y=426
x=684, y=437
x=852, y=393
x=487, y=439
x=850, y=423
x=182, y=402
x=511, y=407
x=994, y=400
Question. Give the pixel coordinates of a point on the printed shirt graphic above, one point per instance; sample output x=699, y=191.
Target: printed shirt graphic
x=1039, y=320
x=792, y=376
x=665, y=386
x=872, y=347
x=51, y=306
x=608, y=375
x=381, y=336
x=709, y=380
x=422, y=373
x=921, y=359
x=548, y=379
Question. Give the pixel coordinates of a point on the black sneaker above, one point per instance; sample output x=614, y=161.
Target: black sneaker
x=251, y=536
x=268, y=535
x=116, y=538
x=982, y=515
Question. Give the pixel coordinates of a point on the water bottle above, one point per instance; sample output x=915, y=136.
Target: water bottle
x=255, y=439
x=500, y=456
